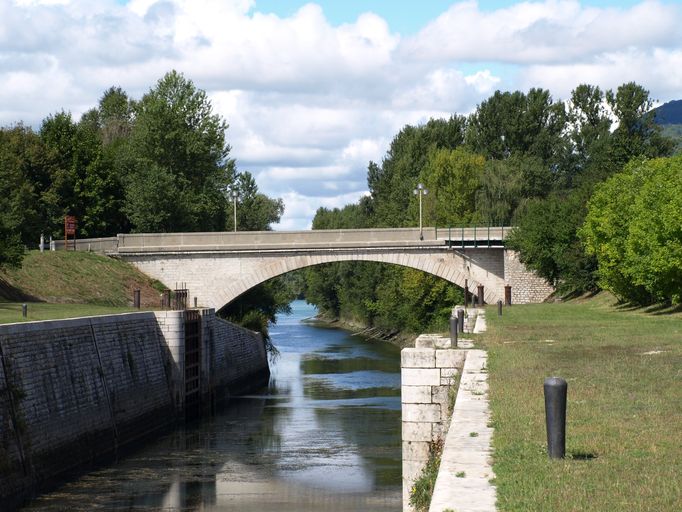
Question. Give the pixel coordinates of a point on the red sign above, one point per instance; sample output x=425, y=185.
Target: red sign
x=70, y=225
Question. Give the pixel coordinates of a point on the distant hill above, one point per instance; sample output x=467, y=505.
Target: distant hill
x=669, y=117
x=669, y=113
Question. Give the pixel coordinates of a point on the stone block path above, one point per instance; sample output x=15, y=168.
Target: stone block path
x=463, y=483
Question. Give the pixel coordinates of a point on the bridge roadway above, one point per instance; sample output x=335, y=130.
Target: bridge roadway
x=218, y=267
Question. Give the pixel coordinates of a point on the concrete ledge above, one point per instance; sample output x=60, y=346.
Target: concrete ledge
x=466, y=455
x=418, y=358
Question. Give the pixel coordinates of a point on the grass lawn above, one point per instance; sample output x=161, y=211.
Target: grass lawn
x=11, y=311
x=77, y=278
x=624, y=426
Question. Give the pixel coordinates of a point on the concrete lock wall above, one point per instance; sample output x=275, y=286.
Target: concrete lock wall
x=72, y=391
x=427, y=374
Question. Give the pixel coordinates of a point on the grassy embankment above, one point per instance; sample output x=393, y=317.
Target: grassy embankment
x=70, y=284
x=624, y=425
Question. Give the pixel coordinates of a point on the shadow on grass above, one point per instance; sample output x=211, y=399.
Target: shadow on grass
x=663, y=308
x=11, y=293
x=581, y=455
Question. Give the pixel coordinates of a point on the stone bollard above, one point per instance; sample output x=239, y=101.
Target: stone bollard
x=42, y=242
x=555, y=415
x=499, y=308
x=454, y=326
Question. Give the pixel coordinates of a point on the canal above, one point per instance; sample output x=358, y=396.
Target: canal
x=325, y=436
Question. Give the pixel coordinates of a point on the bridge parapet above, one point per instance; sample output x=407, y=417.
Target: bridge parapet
x=317, y=239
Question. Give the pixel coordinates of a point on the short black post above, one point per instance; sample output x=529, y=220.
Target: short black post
x=481, y=295
x=466, y=293
x=136, y=299
x=555, y=413
x=453, y=331
x=24, y=310
x=460, y=319
x=499, y=308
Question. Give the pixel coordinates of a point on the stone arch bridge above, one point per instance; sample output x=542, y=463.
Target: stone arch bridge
x=218, y=267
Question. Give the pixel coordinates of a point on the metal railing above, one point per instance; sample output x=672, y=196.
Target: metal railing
x=476, y=236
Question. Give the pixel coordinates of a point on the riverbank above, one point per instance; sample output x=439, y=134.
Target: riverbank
x=397, y=338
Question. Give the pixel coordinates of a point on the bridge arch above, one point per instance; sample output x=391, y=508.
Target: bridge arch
x=218, y=279
x=437, y=265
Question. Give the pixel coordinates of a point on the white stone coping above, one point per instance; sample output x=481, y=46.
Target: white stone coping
x=466, y=455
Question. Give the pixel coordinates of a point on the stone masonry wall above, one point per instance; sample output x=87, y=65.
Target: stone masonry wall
x=527, y=287
x=72, y=390
x=238, y=356
x=426, y=377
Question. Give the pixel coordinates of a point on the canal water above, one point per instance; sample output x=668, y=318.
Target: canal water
x=324, y=437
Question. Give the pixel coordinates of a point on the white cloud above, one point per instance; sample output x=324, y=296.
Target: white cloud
x=309, y=103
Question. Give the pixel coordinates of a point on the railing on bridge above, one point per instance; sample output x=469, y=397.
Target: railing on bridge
x=476, y=237
x=335, y=239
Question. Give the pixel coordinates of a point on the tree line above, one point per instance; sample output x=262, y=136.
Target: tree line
x=553, y=169
x=157, y=164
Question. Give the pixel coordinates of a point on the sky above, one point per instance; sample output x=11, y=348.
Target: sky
x=314, y=91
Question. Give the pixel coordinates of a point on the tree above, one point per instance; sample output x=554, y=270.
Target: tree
x=545, y=237
x=633, y=229
x=255, y=211
x=24, y=177
x=391, y=184
x=178, y=140
x=452, y=178
x=637, y=133
x=589, y=131
x=514, y=122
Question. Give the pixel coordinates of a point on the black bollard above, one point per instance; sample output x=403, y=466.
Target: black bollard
x=499, y=308
x=24, y=310
x=136, y=299
x=460, y=319
x=453, y=331
x=555, y=414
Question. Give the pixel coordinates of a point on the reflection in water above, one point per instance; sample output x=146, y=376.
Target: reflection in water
x=326, y=434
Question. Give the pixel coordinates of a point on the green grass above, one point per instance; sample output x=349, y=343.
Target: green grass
x=624, y=426
x=77, y=278
x=422, y=490
x=11, y=311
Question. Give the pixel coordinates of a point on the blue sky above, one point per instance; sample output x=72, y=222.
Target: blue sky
x=404, y=16
x=317, y=91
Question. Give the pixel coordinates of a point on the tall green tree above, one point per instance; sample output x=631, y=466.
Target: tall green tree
x=514, y=122
x=181, y=166
x=255, y=211
x=452, y=178
x=633, y=228
x=392, y=182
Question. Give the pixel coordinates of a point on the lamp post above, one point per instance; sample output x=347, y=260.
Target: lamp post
x=420, y=191
x=234, y=194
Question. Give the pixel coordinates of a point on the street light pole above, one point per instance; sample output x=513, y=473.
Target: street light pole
x=420, y=191
x=235, y=195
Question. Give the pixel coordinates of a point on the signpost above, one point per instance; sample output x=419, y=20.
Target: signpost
x=69, y=230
